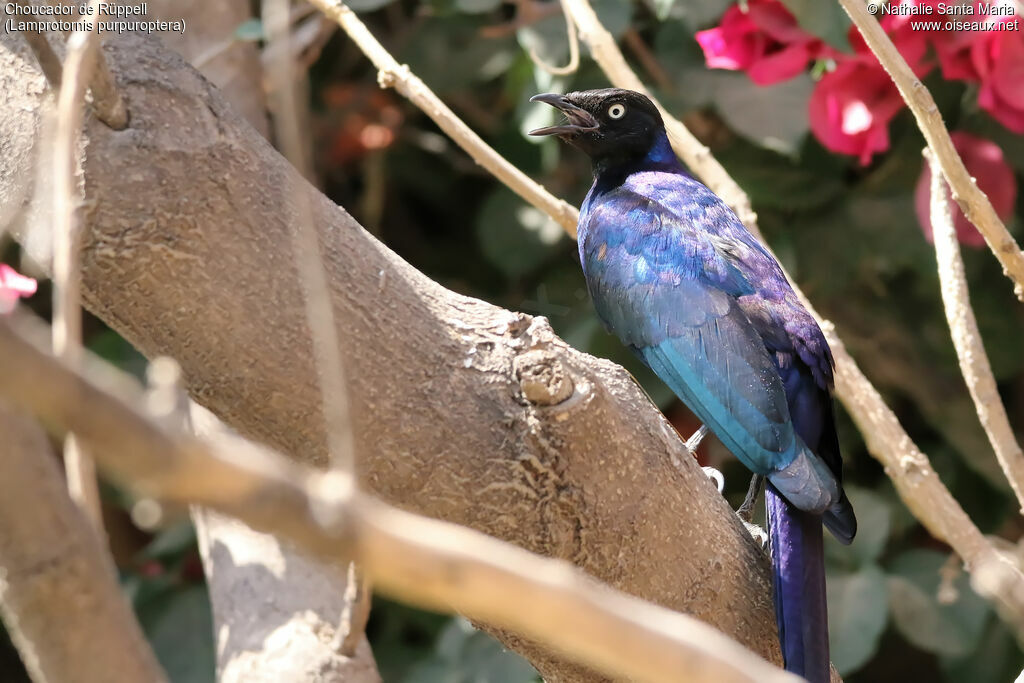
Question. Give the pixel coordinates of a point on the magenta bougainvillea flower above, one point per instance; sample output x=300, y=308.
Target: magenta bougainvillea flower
x=852, y=105
x=13, y=285
x=999, y=61
x=765, y=41
x=984, y=161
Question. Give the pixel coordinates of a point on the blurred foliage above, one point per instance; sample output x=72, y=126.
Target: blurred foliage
x=900, y=608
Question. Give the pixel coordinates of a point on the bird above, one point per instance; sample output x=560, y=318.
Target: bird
x=678, y=278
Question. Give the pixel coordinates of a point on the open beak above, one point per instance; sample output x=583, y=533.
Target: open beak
x=577, y=120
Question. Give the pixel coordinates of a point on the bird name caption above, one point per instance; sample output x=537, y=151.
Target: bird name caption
x=109, y=17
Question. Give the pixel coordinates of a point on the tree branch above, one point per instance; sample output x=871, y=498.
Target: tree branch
x=47, y=58
x=429, y=563
x=975, y=205
x=398, y=76
x=59, y=595
x=970, y=349
x=182, y=254
x=79, y=66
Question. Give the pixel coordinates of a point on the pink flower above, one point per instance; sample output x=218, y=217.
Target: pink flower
x=911, y=43
x=851, y=107
x=998, y=59
x=13, y=285
x=993, y=57
x=984, y=161
x=954, y=47
x=765, y=41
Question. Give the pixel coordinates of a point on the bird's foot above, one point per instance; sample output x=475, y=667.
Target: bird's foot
x=746, y=510
x=694, y=441
x=759, y=535
x=715, y=476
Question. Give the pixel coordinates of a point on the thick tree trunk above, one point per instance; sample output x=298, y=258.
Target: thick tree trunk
x=461, y=410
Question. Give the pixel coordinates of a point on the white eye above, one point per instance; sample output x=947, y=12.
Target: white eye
x=617, y=111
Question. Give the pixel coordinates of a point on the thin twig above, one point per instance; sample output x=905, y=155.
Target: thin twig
x=429, y=563
x=107, y=103
x=79, y=64
x=970, y=349
x=650, y=63
x=356, y=613
x=391, y=74
x=41, y=48
x=305, y=245
x=574, y=50
x=284, y=78
x=972, y=201
x=698, y=157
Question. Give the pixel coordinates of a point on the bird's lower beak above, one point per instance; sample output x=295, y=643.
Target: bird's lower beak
x=578, y=120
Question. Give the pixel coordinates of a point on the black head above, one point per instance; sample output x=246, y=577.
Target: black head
x=610, y=125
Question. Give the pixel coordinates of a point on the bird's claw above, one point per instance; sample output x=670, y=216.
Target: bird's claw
x=759, y=535
x=695, y=439
x=716, y=476
x=746, y=510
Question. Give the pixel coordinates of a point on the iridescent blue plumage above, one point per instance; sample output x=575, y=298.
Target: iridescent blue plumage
x=678, y=278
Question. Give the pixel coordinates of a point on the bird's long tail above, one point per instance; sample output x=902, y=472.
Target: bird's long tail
x=798, y=577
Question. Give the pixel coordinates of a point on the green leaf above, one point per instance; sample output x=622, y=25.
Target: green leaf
x=514, y=236
x=662, y=8
x=697, y=14
x=477, y=6
x=827, y=20
x=250, y=30
x=856, y=616
x=547, y=39
x=367, y=5
x=774, y=117
x=171, y=542
x=873, y=523
x=776, y=181
x=179, y=626
x=948, y=629
x=614, y=15
x=996, y=660
x=466, y=655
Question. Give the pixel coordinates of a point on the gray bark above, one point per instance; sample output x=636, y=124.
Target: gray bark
x=461, y=410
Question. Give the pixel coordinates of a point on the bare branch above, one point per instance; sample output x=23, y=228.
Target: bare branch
x=391, y=74
x=429, y=563
x=305, y=246
x=48, y=60
x=574, y=50
x=967, y=339
x=79, y=66
x=975, y=205
x=59, y=595
x=107, y=103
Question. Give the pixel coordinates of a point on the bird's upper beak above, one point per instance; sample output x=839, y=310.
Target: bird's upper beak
x=579, y=120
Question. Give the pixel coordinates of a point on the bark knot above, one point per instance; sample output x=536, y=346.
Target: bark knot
x=543, y=377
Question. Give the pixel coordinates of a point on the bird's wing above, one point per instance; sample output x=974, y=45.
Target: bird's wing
x=666, y=290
